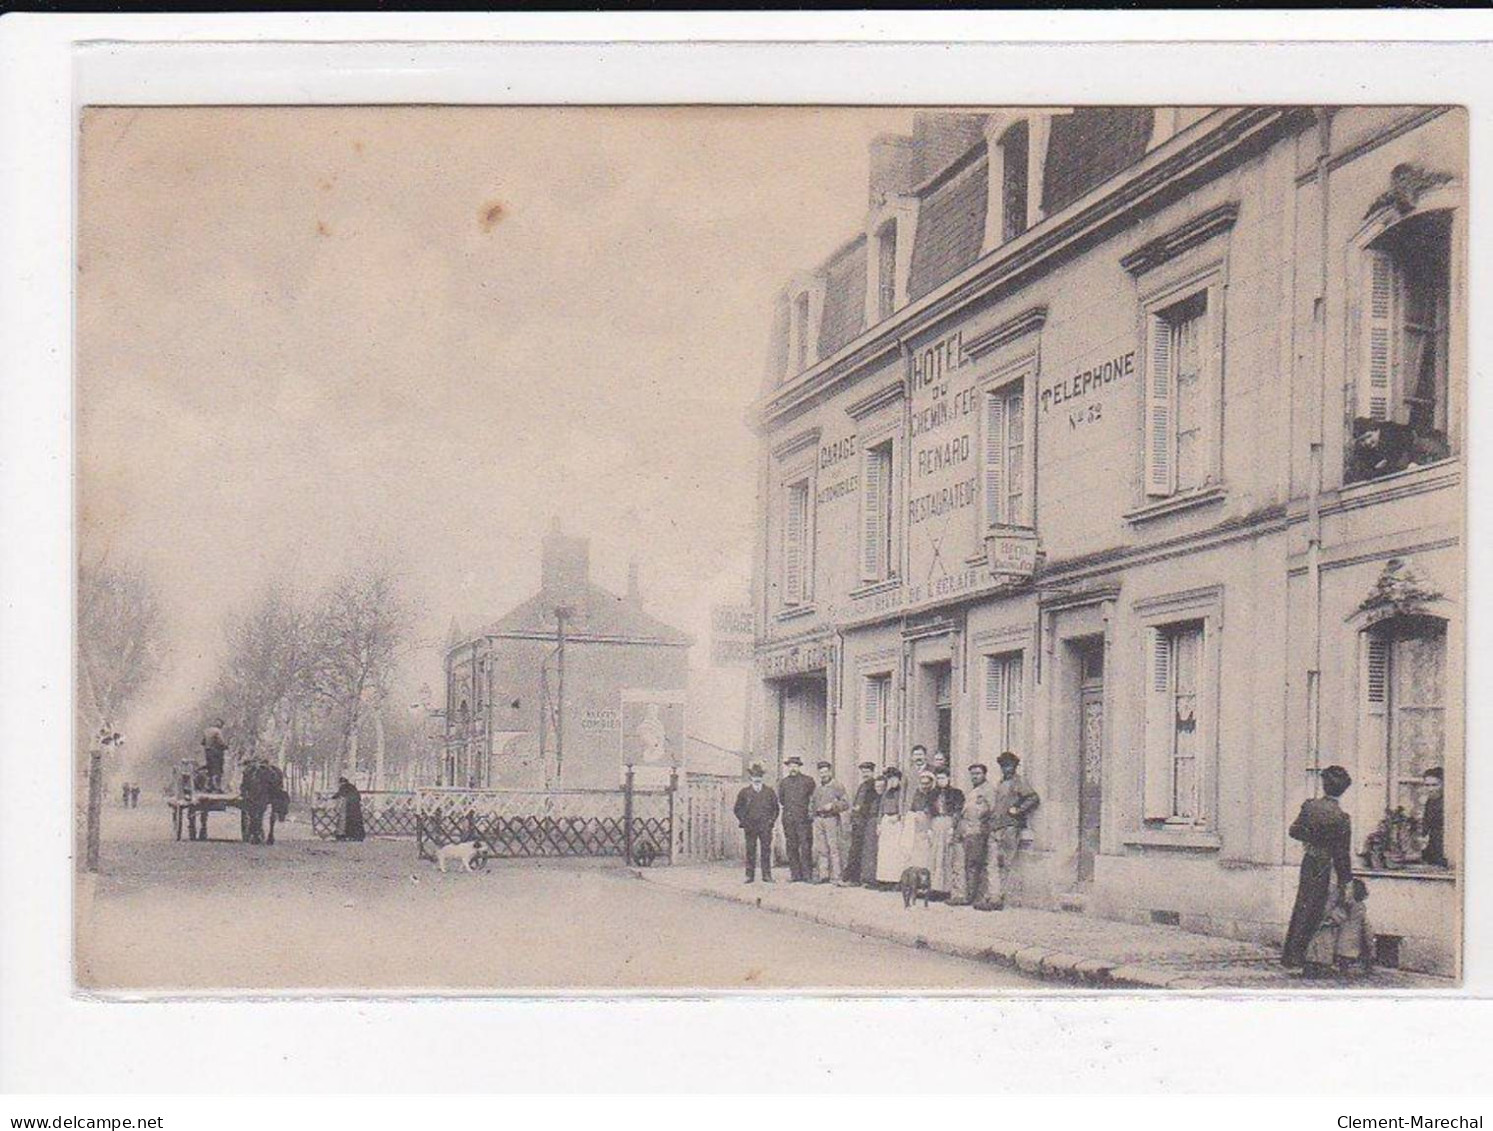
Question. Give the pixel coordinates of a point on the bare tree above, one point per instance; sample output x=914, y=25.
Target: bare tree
x=361, y=629
x=267, y=669
x=121, y=640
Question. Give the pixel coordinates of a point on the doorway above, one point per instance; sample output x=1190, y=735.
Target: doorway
x=1090, y=664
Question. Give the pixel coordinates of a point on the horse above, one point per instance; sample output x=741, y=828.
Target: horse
x=262, y=789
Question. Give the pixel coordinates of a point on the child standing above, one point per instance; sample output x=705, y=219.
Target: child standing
x=1355, y=938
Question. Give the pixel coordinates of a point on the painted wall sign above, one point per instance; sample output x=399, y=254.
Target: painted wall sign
x=1011, y=555
x=599, y=720
x=732, y=632
x=796, y=659
x=942, y=490
x=844, y=489
x=1083, y=386
x=837, y=451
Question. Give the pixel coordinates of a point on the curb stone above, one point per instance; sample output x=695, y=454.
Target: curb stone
x=1038, y=961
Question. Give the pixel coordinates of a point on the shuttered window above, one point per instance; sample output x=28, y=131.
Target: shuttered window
x=796, y=543
x=878, y=492
x=876, y=697
x=1176, y=769
x=1005, y=456
x=1004, y=707
x=1404, y=696
x=1178, y=398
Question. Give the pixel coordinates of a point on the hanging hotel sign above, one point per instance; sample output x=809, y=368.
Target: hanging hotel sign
x=1011, y=555
x=796, y=659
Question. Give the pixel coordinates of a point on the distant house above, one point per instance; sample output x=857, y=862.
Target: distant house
x=507, y=724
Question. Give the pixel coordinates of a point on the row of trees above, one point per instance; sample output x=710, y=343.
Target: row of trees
x=303, y=681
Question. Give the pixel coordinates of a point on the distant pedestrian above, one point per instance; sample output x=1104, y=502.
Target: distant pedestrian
x=349, y=811
x=829, y=804
x=863, y=816
x=756, y=812
x=973, y=832
x=124, y=794
x=134, y=797
x=1327, y=833
x=1014, y=802
x=795, y=791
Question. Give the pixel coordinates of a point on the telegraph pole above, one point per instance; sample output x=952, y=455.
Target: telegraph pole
x=562, y=613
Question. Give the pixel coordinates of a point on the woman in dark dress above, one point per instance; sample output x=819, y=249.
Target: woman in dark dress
x=1327, y=833
x=349, y=811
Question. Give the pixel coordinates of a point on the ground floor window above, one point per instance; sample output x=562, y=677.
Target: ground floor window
x=1176, y=767
x=1404, y=697
x=1004, y=701
x=876, y=717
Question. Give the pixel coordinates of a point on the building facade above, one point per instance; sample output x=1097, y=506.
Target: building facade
x=1131, y=440
x=529, y=706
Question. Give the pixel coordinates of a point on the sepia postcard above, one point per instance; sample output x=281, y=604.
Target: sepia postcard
x=599, y=549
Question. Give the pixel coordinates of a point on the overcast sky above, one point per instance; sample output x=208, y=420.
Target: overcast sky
x=305, y=333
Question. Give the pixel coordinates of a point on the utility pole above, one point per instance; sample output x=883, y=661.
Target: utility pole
x=562, y=614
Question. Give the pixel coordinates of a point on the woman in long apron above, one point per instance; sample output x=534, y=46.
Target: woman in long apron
x=917, y=829
x=944, y=806
x=891, y=855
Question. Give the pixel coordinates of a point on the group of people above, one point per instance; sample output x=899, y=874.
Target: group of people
x=891, y=825
x=129, y=795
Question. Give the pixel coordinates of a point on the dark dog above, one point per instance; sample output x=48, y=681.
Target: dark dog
x=915, y=882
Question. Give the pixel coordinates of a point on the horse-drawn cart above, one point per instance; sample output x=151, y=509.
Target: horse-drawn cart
x=262, y=795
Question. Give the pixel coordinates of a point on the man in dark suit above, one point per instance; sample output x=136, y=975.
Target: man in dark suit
x=795, y=791
x=756, y=812
x=1327, y=833
x=863, y=812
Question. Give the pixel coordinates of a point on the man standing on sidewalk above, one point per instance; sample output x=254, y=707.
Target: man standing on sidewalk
x=863, y=812
x=974, y=832
x=1014, y=800
x=756, y=812
x=828, y=803
x=795, y=791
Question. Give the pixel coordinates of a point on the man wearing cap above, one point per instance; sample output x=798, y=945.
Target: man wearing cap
x=1327, y=833
x=862, y=816
x=974, y=834
x=795, y=794
x=756, y=812
x=1014, y=799
x=828, y=803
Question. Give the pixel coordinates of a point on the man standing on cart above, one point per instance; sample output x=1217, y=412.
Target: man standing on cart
x=214, y=747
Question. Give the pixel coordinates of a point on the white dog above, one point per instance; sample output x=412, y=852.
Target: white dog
x=465, y=853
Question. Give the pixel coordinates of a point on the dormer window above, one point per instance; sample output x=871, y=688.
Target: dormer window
x=1015, y=153
x=886, y=271
x=805, y=310
x=890, y=234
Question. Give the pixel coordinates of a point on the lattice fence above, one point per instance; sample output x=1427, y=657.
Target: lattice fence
x=512, y=823
x=385, y=813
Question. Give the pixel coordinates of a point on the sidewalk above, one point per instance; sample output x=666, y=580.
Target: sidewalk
x=1064, y=947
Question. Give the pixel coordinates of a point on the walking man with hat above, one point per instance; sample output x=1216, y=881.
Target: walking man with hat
x=829, y=803
x=795, y=796
x=1014, y=800
x=757, y=812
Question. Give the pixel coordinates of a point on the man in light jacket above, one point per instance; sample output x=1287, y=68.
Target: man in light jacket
x=828, y=803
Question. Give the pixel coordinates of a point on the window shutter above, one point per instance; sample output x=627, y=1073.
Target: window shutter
x=994, y=674
x=1160, y=726
x=1159, y=411
x=1378, y=337
x=873, y=507
x=995, y=458
x=1014, y=693
x=871, y=702
x=793, y=545
x=1376, y=683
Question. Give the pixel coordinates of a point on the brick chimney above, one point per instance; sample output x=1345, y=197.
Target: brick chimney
x=942, y=138
x=566, y=567
x=894, y=167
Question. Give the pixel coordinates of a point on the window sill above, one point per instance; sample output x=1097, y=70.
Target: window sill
x=1180, y=839
x=794, y=612
x=1396, y=481
x=1187, y=500
x=1436, y=875
x=871, y=588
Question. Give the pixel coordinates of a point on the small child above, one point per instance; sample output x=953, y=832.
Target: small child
x=1343, y=939
x=1355, y=938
